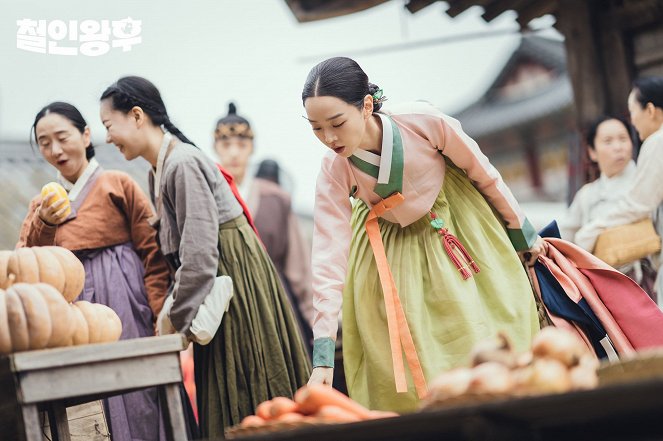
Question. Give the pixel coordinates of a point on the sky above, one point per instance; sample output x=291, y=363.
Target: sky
x=205, y=53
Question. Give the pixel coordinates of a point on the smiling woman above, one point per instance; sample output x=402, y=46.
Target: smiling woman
x=108, y=231
x=257, y=352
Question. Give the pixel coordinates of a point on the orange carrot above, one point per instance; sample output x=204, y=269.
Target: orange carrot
x=290, y=417
x=252, y=421
x=336, y=414
x=282, y=405
x=312, y=397
x=377, y=414
x=263, y=410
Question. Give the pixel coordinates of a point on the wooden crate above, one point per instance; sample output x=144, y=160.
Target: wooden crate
x=58, y=379
x=86, y=422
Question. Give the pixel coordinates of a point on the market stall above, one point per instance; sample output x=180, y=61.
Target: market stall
x=51, y=380
x=628, y=411
x=557, y=390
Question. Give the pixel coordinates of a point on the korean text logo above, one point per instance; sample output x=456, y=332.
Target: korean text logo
x=89, y=37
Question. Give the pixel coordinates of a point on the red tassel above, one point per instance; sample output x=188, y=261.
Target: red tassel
x=453, y=247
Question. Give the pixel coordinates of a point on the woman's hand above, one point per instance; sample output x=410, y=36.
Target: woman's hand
x=52, y=214
x=530, y=256
x=322, y=375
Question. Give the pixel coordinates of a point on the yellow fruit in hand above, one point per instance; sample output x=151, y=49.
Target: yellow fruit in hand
x=60, y=193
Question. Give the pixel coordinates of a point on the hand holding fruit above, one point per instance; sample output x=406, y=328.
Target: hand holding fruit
x=55, y=206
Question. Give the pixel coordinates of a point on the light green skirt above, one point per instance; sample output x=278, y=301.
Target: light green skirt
x=446, y=314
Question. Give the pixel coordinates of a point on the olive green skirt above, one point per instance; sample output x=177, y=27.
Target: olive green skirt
x=258, y=352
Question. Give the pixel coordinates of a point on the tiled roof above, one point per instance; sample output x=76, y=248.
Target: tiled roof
x=492, y=113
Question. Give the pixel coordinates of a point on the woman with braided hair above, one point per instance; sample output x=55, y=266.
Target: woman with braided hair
x=257, y=352
x=424, y=262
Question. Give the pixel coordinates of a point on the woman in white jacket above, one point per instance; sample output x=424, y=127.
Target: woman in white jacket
x=645, y=197
x=611, y=148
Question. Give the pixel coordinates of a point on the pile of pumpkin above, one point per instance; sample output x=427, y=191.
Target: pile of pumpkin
x=312, y=404
x=557, y=362
x=37, y=286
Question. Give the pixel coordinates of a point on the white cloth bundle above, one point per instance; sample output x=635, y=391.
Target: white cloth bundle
x=209, y=315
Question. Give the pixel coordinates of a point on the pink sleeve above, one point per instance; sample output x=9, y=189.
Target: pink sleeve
x=448, y=136
x=331, y=243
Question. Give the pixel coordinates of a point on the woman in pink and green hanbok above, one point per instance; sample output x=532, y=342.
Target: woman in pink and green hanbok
x=425, y=261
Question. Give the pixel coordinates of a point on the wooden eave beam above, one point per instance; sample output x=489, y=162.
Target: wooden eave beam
x=535, y=9
x=457, y=7
x=497, y=8
x=415, y=6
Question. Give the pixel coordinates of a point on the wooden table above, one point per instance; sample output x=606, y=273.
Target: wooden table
x=631, y=411
x=53, y=379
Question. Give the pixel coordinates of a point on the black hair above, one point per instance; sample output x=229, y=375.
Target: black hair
x=233, y=125
x=68, y=111
x=649, y=90
x=593, y=128
x=232, y=117
x=269, y=170
x=129, y=92
x=340, y=77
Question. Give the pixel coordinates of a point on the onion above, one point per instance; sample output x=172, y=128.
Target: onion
x=491, y=378
x=583, y=377
x=497, y=349
x=544, y=375
x=450, y=384
x=524, y=359
x=561, y=345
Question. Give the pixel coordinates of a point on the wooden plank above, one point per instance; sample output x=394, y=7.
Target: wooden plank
x=582, y=415
x=495, y=9
x=94, y=378
x=415, y=6
x=535, y=9
x=171, y=402
x=306, y=11
x=576, y=22
x=86, y=422
x=636, y=14
x=31, y=429
x=617, y=64
x=125, y=349
x=85, y=410
x=457, y=7
x=57, y=416
x=647, y=48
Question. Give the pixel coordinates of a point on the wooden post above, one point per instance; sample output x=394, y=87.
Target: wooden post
x=171, y=403
x=532, y=159
x=618, y=65
x=575, y=20
x=31, y=428
x=57, y=417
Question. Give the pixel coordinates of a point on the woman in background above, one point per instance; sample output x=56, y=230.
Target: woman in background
x=645, y=194
x=610, y=147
